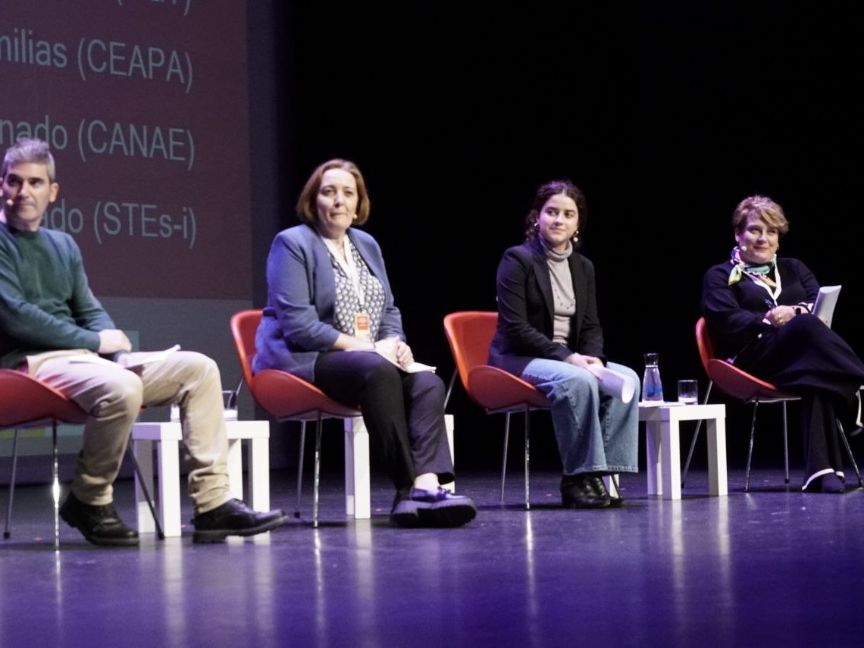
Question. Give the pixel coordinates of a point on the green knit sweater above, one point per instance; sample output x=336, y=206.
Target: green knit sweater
x=45, y=301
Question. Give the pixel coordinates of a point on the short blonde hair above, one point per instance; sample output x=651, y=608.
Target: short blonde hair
x=763, y=208
x=307, y=209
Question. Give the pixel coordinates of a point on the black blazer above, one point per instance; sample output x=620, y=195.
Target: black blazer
x=526, y=310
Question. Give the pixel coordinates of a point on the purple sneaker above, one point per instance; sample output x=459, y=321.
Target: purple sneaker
x=439, y=508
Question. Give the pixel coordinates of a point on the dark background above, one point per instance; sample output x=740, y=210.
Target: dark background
x=666, y=115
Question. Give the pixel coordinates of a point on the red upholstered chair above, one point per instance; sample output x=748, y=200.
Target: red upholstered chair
x=748, y=388
x=470, y=334
x=289, y=398
x=26, y=402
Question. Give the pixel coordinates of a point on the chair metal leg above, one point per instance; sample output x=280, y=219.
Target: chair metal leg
x=142, y=483
x=450, y=388
x=55, y=483
x=785, y=444
x=527, y=459
x=849, y=452
x=695, y=437
x=750, y=451
x=300, y=467
x=504, y=460
x=317, y=476
x=6, y=532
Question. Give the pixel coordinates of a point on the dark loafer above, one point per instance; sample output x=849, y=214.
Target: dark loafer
x=579, y=491
x=98, y=524
x=440, y=508
x=234, y=518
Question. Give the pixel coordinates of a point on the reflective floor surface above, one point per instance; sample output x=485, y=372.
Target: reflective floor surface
x=773, y=567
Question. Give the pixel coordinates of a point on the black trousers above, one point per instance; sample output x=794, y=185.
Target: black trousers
x=403, y=412
x=806, y=358
x=819, y=413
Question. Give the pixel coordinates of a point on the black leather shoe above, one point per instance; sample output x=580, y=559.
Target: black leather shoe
x=600, y=488
x=234, y=518
x=98, y=524
x=578, y=491
x=440, y=508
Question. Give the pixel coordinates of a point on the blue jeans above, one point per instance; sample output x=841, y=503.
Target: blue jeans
x=596, y=432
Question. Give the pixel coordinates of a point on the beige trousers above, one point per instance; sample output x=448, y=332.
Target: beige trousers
x=113, y=397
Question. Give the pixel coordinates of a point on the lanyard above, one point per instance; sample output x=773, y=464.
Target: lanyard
x=349, y=267
x=773, y=292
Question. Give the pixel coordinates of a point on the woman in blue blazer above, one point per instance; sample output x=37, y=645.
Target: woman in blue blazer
x=331, y=320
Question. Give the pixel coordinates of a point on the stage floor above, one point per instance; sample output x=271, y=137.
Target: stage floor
x=772, y=567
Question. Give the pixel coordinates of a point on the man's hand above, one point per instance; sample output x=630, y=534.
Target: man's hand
x=112, y=341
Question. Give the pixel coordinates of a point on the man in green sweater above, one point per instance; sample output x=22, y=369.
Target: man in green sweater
x=52, y=327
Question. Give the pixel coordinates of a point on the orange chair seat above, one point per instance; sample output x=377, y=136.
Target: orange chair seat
x=742, y=385
x=498, y=390
x=470, y=334
x=285, y=396
x=27, y=401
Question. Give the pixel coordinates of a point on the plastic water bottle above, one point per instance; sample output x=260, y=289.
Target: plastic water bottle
x=652, y=386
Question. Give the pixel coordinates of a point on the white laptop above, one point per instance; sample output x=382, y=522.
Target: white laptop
x=826, y=300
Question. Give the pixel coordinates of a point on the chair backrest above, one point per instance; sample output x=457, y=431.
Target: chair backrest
x=703, y=341
x=244, y=325
x=470, y=333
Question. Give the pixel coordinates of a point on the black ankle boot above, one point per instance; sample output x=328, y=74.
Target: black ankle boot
x=600, y=489
x=578, y=491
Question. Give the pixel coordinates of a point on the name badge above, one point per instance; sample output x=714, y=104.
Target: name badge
x=361, y=326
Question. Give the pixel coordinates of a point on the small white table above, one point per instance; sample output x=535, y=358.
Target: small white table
x=663, y=446
x=166, y=438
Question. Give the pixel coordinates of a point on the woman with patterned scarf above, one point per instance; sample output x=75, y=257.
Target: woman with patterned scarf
x=758, y=310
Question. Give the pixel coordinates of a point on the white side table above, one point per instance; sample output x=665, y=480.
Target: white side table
x=663, y=446
x=166, y=438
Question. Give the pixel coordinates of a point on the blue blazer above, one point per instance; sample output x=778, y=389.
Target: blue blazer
x=298, y=322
